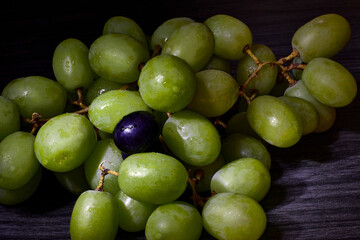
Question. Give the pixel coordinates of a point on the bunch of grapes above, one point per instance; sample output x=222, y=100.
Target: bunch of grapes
x=158, y=134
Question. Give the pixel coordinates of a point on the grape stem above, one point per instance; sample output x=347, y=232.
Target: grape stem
x=127, y=86
x=197, y=199
x=280, y=63
x=104, y=172
x=36, y=120
x=157, y=51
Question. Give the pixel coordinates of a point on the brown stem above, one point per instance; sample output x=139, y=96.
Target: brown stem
x=157, y=51
x=104, y=172
x=127, y=86
x=36, y=120
x=248, y=51
x=292, y=55
x=82, y=111
x=168, y=114
x=218, y=122
x=141, y=66
x=197, y=199
x=296, y=66
x=283, y=72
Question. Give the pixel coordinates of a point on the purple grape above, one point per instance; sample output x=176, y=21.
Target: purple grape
x=136, y=132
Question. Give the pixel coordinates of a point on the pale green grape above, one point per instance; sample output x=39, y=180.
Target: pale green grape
x=266, y=77
x=192, y=42
x=167, y=83
x=133, y=214
x=216, y=92
x=192, y=138
x=152, y=177
x=247, y=176
x=231, y=36
x=74, y=181
x=327, y=115
x=109, y=108
x=166, y=29
x=125, y=25
x=240, y=145
x=176, y=221
x=323, y=36
x=233, y=216
x=64, y=142
x=9, y=117
x=116, y=57
x=307, y=112
x=94, y=216
x=218, y=63
x=104, y=151
x=329, y=82
x=274, y=121
x=18, y=163
x=71, y=65
x=297, y=72
x=36, y=94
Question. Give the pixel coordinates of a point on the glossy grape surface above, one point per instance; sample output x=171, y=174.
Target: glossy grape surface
x=192, y=138
x=233, y=216
x=18, y=163
x=152, y=177
x=106, y=152
x=231, y=36
x=247, y=176
x=58, y=148
x=216, y=92
x=136, y=132
x=240, y=145
x=193, y=42
x=167, y=83
x=116, y=57
x=218, y=63
x=323, y=36
x=166, y=29
x=94, y=216
x=36, y=94
x=71, y=65
x=133, y=214
x=327, y=115
x=306, y=111
x=125, y=25
x=109, y=108
x=9, y=117
x=74, y=181
x=18, y=195
x=329, y=82
x=273, y=120
x=176, y=221
x=266, y=77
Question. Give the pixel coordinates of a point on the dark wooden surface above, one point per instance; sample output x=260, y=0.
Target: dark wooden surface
x=315, y=191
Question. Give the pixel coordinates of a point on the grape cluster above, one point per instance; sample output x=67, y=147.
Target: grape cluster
x=157, y=135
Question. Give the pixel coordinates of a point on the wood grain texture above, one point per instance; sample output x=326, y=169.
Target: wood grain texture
x=315, y=191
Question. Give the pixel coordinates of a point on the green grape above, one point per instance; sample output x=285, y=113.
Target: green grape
x=36, y=94
x=231, y=36
x=247, y=176
x=279, y=88
x=233, y=216
x=18, y=195
x=218, y=63
x=238, y=123
x=177, y=220
x=167, y=83
x=152, y=177
x=307, y=112
x=9, y=117
x=166, y=29
x=216, y=92
x=274, y=121
x=71, y=65
x=18, y=163
x=116, y=57
x=327, y=115
x=74, y=181
x=329, y=82
x=133, y=214
x=64, y=142
x=297, y=72
x=266, y=77
x=240, y=145
x=323, y=36
x=100, y=86
x=104, y=151
x=205, y=173
x=192, y=138
x=109, y=108
x=192, y=42
x=125, y=25
x=94, y=216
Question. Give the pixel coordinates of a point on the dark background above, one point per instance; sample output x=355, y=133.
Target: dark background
x=315, y=191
